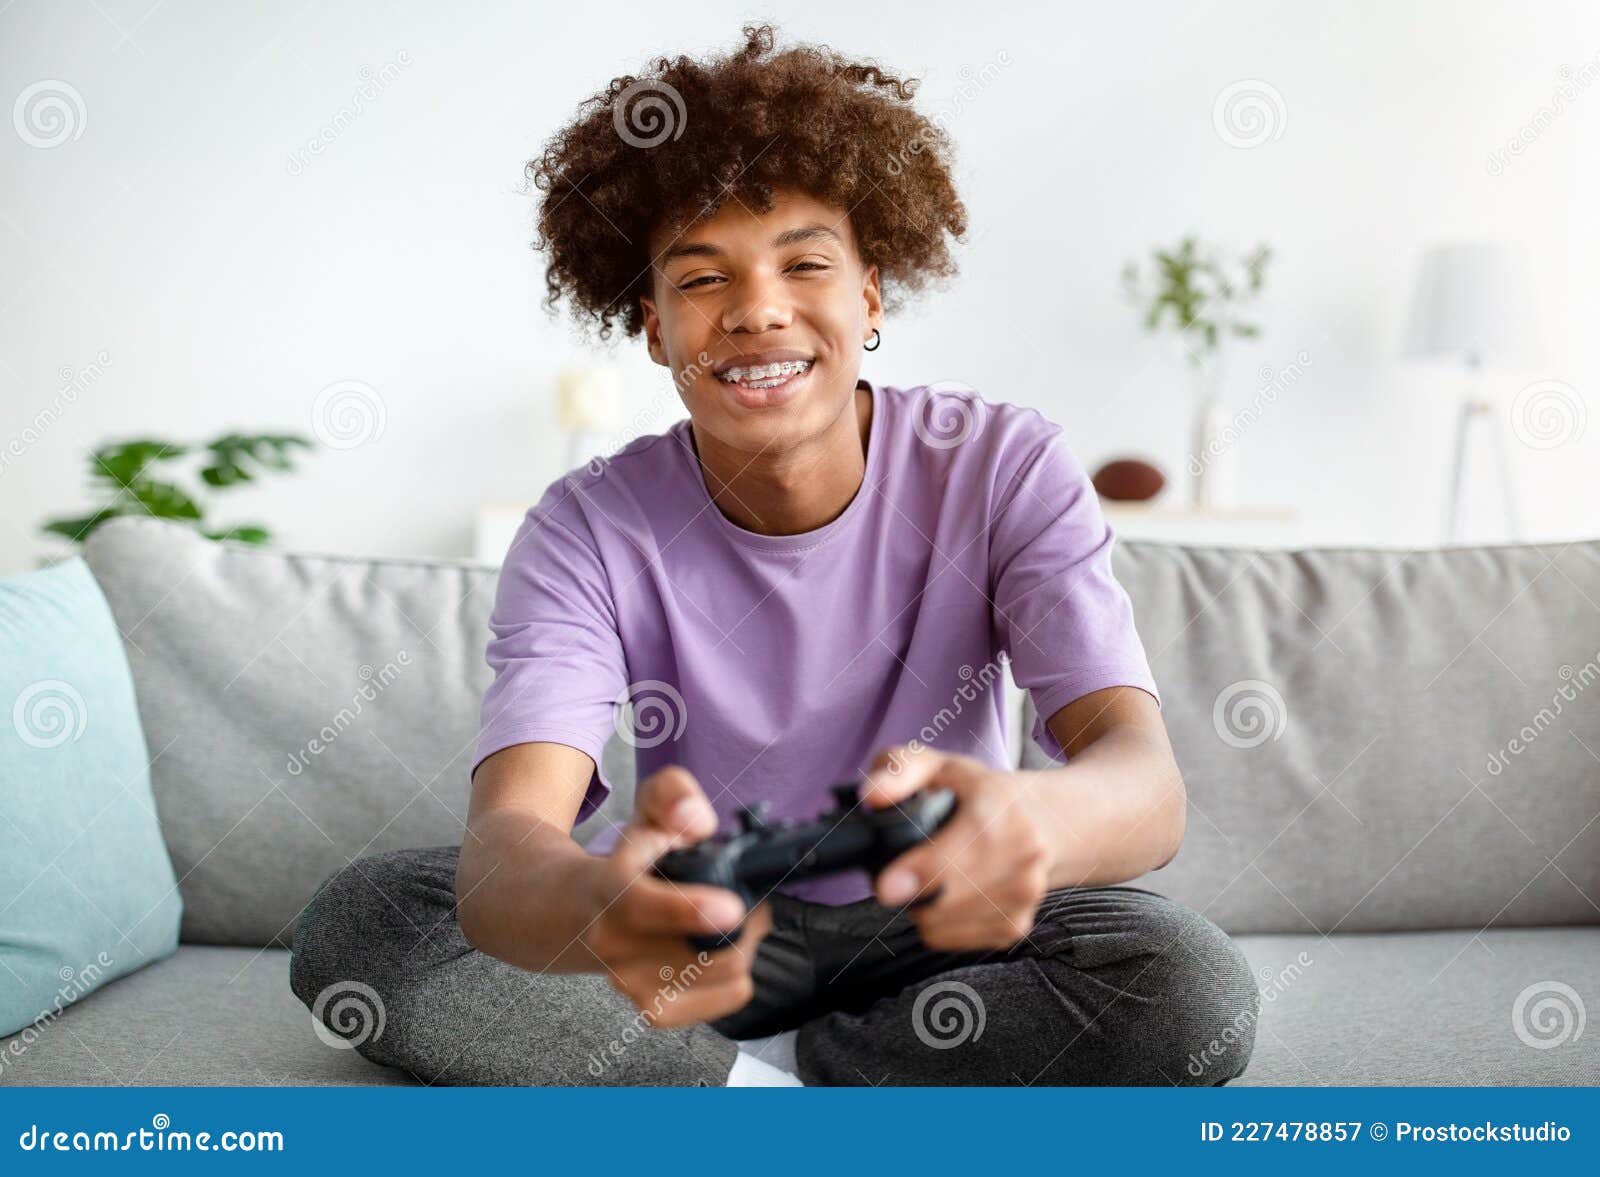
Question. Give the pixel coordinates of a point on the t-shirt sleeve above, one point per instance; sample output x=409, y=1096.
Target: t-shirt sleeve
x=557, y=659
x=1062, y=617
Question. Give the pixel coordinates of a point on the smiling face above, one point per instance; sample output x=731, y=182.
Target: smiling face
x=761, y=319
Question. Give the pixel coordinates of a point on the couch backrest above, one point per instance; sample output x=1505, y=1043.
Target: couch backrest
x=1421, y=763
x=1377, y=739
x=300, y=710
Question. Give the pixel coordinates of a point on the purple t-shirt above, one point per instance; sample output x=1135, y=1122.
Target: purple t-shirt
x=772, y=667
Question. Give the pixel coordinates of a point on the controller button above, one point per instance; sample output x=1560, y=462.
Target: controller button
x=755, y=817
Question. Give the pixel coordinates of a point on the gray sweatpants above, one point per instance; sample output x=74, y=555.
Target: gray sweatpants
x=1114, y=985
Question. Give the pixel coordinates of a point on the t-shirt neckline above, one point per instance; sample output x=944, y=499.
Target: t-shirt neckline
x=817, y=535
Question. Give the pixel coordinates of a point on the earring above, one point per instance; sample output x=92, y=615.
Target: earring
x=877, y=341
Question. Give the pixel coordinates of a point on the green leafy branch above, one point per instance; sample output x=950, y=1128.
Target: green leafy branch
x=127, y=475
x=1200, y=292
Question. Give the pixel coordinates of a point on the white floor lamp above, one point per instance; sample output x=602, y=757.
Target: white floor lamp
x=1473, y=304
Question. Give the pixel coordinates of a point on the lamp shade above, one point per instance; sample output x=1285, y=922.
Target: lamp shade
x=1473, y=301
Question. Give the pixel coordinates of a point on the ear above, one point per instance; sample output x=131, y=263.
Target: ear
x=872, y=297
x=652, y=330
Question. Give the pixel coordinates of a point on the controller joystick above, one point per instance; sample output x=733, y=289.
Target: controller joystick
x=763, y=854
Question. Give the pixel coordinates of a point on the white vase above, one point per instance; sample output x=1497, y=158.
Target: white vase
x=1211, y=465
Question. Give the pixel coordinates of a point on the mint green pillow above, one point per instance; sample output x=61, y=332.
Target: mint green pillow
x=87, y=892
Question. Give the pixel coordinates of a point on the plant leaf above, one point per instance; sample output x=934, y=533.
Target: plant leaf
x=224, y=474
x=164, y=500
x=80, y=528
x=123, y=462
x=247, y=533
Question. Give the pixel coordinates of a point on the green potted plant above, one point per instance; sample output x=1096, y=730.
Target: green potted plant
x=126, y=476
x=1199, y=295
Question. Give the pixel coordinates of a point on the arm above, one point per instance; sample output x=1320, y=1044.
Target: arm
x=529, y=895
x=1118, y=808
x=524, y=800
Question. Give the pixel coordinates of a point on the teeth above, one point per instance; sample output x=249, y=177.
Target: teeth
x=765, y=372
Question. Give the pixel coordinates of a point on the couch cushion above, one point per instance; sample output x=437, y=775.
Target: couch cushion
x=87, y=892
x=1492, y=1008
x=1378, y=739
x=304, y=710
x=1424, y=1008
x=206, y=1017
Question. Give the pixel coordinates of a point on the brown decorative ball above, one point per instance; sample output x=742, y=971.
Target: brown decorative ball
x=1129, y=480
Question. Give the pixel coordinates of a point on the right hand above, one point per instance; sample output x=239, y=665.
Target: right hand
x=639, y=934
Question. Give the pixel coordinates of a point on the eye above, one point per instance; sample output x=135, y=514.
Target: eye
x=808, y=266
x=704, y=278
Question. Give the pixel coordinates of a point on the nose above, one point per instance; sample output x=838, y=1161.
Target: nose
x=756, y=302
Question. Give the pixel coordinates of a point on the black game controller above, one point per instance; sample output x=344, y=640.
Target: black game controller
x=764, y=854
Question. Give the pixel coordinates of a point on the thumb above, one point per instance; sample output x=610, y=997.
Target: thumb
x=897, y=772
x=669, y=810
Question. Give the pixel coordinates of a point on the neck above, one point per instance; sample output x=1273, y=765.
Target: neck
x=796, y=491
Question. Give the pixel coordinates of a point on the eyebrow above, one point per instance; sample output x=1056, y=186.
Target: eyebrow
x=812, y=232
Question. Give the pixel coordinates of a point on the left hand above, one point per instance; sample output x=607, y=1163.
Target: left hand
x=985, y=871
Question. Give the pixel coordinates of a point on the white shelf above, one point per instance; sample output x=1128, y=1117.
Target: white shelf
x=1244, y=526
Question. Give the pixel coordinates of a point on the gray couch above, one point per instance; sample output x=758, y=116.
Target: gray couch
x=1393, y=762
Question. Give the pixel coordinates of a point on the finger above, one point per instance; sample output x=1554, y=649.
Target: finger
x=700, y=1004
x=741, y=953
x=671, y=952
x=910, y=878
x=923, y=869
x=756, y=927
x=972, y=921
x=897, y=772
x=680, y=988
x=969, y=936
x=668, y=996
x=671, y=798
x=655, y=906
x=670, y=810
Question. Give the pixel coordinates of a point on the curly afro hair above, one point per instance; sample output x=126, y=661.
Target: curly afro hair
x=669, y=148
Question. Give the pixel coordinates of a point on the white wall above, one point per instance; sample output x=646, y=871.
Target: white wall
x=222, y=291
